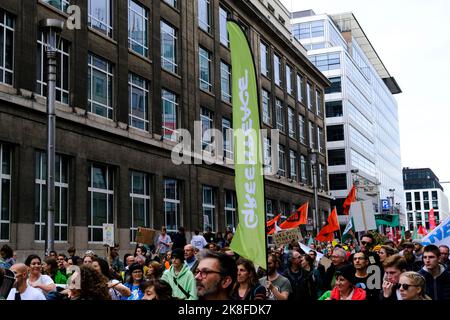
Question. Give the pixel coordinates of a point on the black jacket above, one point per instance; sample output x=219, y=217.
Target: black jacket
x=179, y=241
x=437, y=288
x=302, y=283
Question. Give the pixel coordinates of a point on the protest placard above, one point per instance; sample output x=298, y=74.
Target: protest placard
x=108, y=234
x=363, y=216
x=145, y=235
x=284, y=237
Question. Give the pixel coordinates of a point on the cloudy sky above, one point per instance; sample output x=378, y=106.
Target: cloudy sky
x=412, y=38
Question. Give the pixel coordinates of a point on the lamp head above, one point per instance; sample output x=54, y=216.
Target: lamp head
x=51, y=28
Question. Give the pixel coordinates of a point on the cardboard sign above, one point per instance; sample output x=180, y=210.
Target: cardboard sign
x=108, y=234
x=145, y=235
x=284, y=237
x=363, y=216
x=325, y=262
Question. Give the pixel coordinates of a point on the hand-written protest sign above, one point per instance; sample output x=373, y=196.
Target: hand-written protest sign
x=108, y=234
x=145, y=235
x=440, y=235
x=287, y=236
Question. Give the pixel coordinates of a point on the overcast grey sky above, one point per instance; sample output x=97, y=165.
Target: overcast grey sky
x=412, y=38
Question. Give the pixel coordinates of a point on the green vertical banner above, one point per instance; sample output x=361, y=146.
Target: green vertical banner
x=249, y=240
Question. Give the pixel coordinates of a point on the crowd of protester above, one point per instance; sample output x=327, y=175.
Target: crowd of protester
x=207, y=269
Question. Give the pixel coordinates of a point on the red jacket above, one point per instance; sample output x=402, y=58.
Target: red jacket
x=358, y=294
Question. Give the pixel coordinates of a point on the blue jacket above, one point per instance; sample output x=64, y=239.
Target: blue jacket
x=437, y=288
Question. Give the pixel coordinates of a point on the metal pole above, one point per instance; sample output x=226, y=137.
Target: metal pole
x=316, y=209
x=51, y=120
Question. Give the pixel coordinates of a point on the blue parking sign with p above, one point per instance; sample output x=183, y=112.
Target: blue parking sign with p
x=385, y=204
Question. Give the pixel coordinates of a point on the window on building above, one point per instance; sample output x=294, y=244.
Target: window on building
x=288, y=79
x=334, y=109
x=291, y=124
x=206, y=117
x=300, y=88
x=208, y=208
x=101, y=200
x=434, y=199
x=61, y=197
x=267, y=156
x=100, y=82
x=172, y=213
x=139, y=202
x=319, y=106
x=270, y=208
x=301, y=128
x=62, y=72
x=223, y=16
x=280, y=115
x=408, y=196
x=267, y=110
x=172, y=3
x=137, y=28
x=264, y=53
x=338, y=181
x=308, y=30
x=169, y=115
x=230, y=209
x=335, y=133
x=138, y=95
x=320, y=141
x=59, y=4
x=281, y=161
x=99, y=16
x=6, y=47
x=335, y=85
x=277, y=69
x=309, y=95
x=426, y=200
x=321, y=176
x=225, y=81
x=227, y=132
x=312, y=141
x=169, y=36
x=326, y=61
x=204, y=15
x=303, y=175
x=293, y=164
x=5, y=191
x=205, y=69
x=336, y=157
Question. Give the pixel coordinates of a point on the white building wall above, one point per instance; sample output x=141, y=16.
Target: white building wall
x=370, y=114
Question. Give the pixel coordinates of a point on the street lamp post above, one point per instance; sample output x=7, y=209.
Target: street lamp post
x=392, y=208
x=313, y=159
x=51, y=28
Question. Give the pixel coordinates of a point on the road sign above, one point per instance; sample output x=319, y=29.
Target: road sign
x=385, y=204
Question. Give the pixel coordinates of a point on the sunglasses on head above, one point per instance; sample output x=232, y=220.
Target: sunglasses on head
x=406, y=286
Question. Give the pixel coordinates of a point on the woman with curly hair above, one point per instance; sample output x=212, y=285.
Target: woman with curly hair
x=116, y=289
x=247, y=285
x=88, y=284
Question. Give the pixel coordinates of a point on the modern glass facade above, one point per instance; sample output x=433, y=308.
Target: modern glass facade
x=361, y=112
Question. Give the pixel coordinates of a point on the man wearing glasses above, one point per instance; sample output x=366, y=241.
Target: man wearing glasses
x=363, y=278
x=21, y=290
x=215, y=276
x=338, y=259
x=366, y=246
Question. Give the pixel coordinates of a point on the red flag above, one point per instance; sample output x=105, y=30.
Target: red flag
x=351, y=197
x=432, y=219
x=327, y=232
x=272, y=221
x=300, y=216
x=422, y=230
x=270, y=229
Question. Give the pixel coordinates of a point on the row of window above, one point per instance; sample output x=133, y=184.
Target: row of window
x=291, y=80
x=419, y=219
x=293, y=165
x=102, y=190
x=414, y=200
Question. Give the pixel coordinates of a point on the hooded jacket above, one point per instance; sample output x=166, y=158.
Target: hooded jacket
x=437, y=288
x=358, y=294
x=185, y=279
